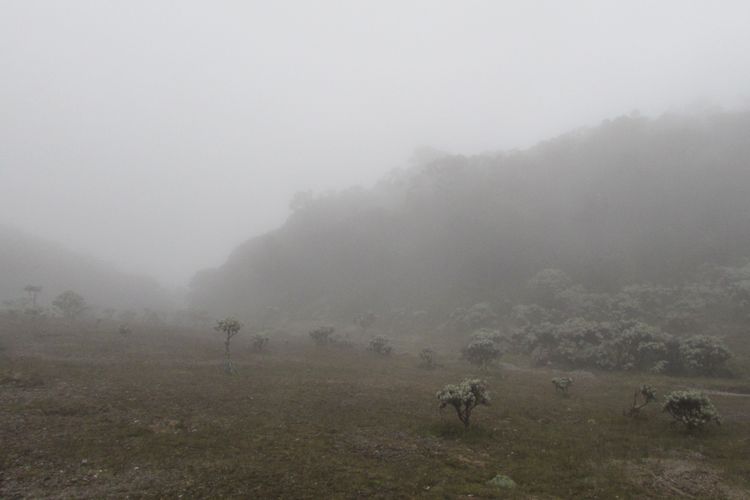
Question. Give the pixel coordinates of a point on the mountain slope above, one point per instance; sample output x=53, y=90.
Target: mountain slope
x=632, y=200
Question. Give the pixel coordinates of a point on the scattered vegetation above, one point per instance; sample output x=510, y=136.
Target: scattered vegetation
x=464, y=397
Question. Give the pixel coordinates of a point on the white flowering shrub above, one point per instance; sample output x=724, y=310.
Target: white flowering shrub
x=380, y=345
x=260, y=342
x=322, y=336
x=642, y=396
x=229, y=327
x=427, y=358
x=464, y=397
x=562, y=384
x=693, y=409
x=482, y=351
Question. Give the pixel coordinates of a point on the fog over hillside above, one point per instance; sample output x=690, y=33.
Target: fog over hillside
x=428, y=249
x=160, y=135
x=27, y=260
x=633, y=200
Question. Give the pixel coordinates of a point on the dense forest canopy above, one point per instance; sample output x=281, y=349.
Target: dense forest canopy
x=633, y=200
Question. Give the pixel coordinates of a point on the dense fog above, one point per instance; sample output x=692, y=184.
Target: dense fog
x=157, y=136
x=374, y=249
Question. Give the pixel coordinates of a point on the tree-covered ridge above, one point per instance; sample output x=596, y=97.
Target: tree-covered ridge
x=631, y=201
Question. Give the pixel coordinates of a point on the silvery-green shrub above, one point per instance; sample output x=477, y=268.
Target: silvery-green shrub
x=693, y=409
x=464, y=397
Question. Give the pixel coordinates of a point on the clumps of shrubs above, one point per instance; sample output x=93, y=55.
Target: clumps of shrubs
x=620, y=345
x=642, y=396
x=562, y=384
x=483, y=349
x=464, y=397
x=693, y=409
x=380, y=345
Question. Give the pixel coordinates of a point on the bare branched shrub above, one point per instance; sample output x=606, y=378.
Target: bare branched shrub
x=642, y=396
x=464, y=397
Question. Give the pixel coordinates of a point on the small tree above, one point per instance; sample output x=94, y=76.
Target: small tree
x=428, y=359
x=70, y=304
x=562, y=384
x=642, y=396
x=260, y=342
x=691, y=408
x=322, y=336
x=464, y=397
x=229, y=327
x=124, y=330
x=482, y=351
x=380, y=345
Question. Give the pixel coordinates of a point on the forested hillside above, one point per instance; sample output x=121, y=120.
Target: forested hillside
x=28, y=260
x=631, y=201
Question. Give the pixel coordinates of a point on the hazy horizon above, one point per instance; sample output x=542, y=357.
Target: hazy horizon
x=158, y=137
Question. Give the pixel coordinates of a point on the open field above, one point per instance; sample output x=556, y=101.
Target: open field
x=88, y=413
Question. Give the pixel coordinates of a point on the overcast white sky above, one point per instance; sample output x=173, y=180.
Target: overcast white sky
x=157, y=135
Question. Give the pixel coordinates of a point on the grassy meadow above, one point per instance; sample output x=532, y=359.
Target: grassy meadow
x=87, y=413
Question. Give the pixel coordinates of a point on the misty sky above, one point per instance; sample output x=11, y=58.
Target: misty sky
x=158, y=135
